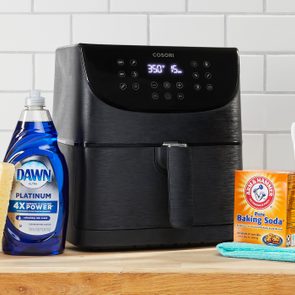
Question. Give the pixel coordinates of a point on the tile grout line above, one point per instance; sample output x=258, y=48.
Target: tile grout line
x=33, y=70
x=148, y=29
x=21, y=91
x=25, y=52
x=287, y=93
x=279, y=52
x=225, y=30
x=264, y=73
x=109, y=6
x=264, y=151
x=71, y=29
x=264, y=6
x=262, y=132
x=160, y=13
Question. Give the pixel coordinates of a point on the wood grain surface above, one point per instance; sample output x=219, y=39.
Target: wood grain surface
x=145, y=284
x=189, y=271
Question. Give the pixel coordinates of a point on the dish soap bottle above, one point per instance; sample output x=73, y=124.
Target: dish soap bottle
x=37, y=212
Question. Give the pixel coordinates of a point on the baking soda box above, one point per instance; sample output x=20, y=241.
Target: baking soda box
x=264, y=210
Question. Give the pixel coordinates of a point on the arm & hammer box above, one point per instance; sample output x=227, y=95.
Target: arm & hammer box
x=264, y=210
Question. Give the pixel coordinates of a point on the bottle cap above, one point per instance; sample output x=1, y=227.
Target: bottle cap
x=35, y=99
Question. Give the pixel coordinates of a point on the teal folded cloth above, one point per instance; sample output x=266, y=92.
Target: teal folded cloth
x=254, y=251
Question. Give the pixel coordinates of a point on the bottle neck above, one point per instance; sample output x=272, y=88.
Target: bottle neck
x=30, y=108
x=35, y=114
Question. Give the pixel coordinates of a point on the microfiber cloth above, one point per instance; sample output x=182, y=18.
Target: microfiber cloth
x=253, y=251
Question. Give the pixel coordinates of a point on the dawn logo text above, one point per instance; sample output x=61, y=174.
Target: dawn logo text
x=33, y=174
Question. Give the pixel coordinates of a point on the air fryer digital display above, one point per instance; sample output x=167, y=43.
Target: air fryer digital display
x=162, y=79
x=160, y=69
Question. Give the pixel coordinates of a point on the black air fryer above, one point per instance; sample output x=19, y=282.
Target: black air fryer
x=151, y=136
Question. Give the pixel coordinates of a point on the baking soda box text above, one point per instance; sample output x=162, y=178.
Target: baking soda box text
x=264, y=210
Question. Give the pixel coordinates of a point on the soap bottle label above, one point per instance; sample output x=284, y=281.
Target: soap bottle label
x=34, y=202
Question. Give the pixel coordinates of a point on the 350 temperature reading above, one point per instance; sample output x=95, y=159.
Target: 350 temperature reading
x=161, y=68
x=156, y=68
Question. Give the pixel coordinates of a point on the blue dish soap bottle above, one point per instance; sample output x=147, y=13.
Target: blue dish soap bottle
x=37, y=213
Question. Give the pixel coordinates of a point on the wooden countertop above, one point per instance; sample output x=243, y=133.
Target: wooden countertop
x=184, y=271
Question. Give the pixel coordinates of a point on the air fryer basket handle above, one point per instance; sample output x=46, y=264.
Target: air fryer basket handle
x=180, y=186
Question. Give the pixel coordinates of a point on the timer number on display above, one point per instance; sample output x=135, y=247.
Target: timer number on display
x=161, y=68
x=175, y=70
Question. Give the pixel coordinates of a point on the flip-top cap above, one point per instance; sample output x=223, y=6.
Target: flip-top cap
x=35, y=99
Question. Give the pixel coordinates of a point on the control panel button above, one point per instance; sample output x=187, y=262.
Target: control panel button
x=180, y=96
x=123, y=86
x=133, y=62
x=206, y=64
x=134, y=74
x=168, y=96
x=196, y=75
x=209, y=87
x=155, y=96
x=197, y=87
x=166, y=85
x=154, y=84
x=208, y=75
x=179, y=85
x=121, y=74
x=120, y=62
x=194, y=64
x=135, y=86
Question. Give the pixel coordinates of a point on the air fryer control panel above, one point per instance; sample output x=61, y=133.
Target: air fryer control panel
x=162, y=79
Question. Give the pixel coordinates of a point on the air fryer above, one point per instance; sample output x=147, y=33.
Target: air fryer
x=152, y=137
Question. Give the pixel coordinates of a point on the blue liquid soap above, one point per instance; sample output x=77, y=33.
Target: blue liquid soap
x=37, y=213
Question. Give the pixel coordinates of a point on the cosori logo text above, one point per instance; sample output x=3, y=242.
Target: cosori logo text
x=163, y=54
x=33, y=174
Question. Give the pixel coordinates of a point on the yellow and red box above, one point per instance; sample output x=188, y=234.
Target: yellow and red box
x=264, y=208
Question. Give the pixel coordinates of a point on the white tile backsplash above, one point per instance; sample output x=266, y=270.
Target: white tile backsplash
x=147, y=5
x=252, y=72
x=110, y=29
x=15, y=72
x=14, y=103
x=263, y=31
x=49, y=100
x=187, y=30
x=225, y=5
x=280, y=73
x=268, y=112
x=44, y=71
x=280, y=6
x=70, y=5
x=5, y=137
x=33, y=32
x=15, y=5
x=280, y=155
x=253, y=148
